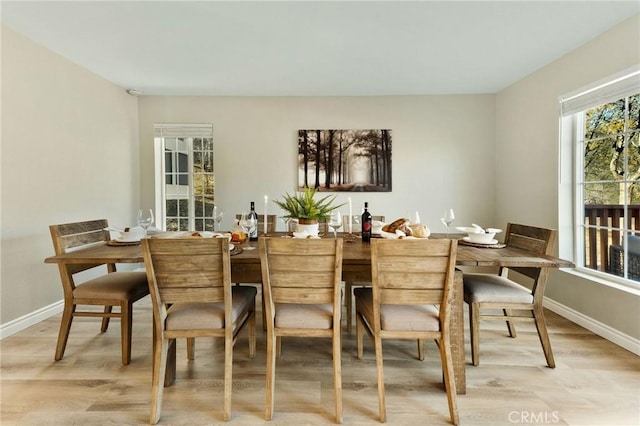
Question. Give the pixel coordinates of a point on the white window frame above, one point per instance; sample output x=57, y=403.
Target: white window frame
x=571, y=169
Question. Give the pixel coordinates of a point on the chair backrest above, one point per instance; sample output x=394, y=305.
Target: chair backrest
x=412, y=272
x=69, y=236
x=271, y=222
x=301, y=271
x=539, y=240
x=183, y=270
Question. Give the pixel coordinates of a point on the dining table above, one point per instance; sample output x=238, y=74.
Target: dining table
x=356, y=268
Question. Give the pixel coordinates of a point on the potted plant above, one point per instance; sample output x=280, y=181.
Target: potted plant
x=306, y=209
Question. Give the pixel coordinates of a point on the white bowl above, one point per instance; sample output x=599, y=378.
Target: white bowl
x=479, y=235
x=133, y=234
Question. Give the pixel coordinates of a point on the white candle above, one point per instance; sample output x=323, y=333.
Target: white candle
x=266, y=199
x=350, y=215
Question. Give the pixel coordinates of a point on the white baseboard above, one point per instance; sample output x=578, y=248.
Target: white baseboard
x=26, y=321
x=601, y=329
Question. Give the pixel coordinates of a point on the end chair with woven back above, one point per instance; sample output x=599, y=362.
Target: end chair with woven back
x=114, y=288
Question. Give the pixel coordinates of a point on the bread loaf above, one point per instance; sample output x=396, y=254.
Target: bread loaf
x=395, y=225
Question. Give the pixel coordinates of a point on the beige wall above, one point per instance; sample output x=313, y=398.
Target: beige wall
x=443, y=149
x=527, y=161
x=69, y=152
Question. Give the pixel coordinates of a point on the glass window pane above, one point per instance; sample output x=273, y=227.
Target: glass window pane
x=607, y=119
x=197, y=144
x=199, y=225
x=207, y=162
x=197, y=162
x=208, y=225
x=183, y=208
x=199, y=208
x=634, y=112
x=184, y=225
x=172, y=224
x=171, y=208
x=600, y=156
x=603, y=193
x=208, y=206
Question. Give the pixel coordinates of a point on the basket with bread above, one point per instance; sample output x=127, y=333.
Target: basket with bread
x=403, y=228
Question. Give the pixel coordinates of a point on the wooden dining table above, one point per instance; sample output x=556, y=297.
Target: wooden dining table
x=356, y=268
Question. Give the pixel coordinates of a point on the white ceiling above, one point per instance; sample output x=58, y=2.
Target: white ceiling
x=312, y=48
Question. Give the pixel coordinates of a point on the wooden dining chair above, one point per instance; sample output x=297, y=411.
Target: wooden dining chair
x=349, y=284
x=302, y=285
x=409, y=277
x=111, y=289
x=500, y=292
x=192, y=296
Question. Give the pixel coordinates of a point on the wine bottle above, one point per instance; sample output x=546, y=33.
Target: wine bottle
x=253, y=215
x=366, y=224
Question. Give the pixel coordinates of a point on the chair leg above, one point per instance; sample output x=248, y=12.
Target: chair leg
x=359, y=333
x=278, y=346
x=381, y=402
x=126, y=326
x=510, y=324
x=228, y=370
x=348, y=301
x=191, y=348
x=270, y=376
x=420, y=349
x=252, y=330
x=543, y=334
x=160, y=349
x=65, y=326
x=474, y=328
x=337, y=371
x=105, y=319
x=449, y=379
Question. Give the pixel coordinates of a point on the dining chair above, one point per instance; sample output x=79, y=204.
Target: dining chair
x=114, y=288
x=409, y=277
x=500, y=292
x=302, y=287
x=192, y=296
x=349, y=285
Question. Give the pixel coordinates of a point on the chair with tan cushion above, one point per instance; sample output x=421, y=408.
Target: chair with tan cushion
x=302, y=284
x=112, y=289
x=192, y=296
x=409, y=278
x=500, y=292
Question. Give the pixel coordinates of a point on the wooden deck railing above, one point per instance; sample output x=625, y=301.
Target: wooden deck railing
x=599, y=238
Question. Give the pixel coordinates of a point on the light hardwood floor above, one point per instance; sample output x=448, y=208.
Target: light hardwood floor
x=595, y=382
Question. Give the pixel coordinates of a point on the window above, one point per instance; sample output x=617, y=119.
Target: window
x=185, y=180
x=602, y=126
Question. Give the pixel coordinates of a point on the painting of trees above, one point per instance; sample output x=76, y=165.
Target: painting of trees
x=345, y=160
x=612, y=152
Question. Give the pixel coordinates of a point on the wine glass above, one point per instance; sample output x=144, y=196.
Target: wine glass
x=448, y=218
x=218, y=214
x=285, y=220
x=248, y=223
x=335, y=222
x=145, y=219
x=355, y=219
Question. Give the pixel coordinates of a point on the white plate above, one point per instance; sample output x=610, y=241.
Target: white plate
x=467, y=239
x=231, y=247
x=127, y=240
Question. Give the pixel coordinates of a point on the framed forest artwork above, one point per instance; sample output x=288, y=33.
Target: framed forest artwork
x=345, y=160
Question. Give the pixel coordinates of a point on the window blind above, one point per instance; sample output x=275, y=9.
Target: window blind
x=601, y=92
x=178, y=130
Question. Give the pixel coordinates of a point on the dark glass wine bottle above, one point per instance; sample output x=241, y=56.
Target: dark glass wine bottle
x=253, y=236
x=366, y=224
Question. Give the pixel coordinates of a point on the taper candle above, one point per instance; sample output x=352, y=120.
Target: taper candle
x=266, y=199
x=350, y=215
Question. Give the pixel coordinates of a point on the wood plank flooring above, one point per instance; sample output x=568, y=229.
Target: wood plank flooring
x=595, y=382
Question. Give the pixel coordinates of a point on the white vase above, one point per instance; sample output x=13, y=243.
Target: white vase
x=309, y=228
